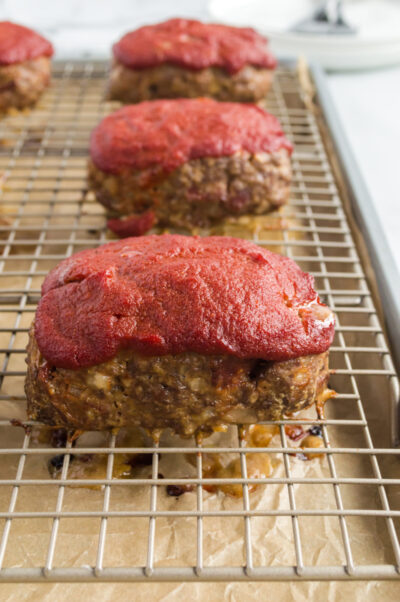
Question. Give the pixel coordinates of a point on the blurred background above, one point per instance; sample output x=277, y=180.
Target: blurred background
x=362, y=61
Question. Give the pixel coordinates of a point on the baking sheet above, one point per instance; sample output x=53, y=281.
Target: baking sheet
x=272, y=538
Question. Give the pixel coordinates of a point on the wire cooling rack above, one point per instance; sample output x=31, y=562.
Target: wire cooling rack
x=53, y=531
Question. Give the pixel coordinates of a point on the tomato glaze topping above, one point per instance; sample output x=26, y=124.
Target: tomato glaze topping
x=164, y=134
x=19, y=44
x=169, y=294
x=194, y=45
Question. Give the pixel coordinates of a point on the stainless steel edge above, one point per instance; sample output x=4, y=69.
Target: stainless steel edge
x=382, y=260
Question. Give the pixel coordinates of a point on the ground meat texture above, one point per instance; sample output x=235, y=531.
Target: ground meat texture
x=21, y=84
x=128, y=85
x=201, y=192
x=191, y=162
x=188, y=392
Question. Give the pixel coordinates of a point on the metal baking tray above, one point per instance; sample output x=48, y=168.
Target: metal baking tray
x=47, y=214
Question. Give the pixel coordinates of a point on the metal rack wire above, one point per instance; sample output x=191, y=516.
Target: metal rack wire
x=48, y=215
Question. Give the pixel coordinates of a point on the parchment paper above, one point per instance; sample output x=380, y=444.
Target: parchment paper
x=127, y=538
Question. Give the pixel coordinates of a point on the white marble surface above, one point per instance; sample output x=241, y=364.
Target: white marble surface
x=367, y=102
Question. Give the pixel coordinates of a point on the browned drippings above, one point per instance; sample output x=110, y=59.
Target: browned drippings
x=259, y=465
x=322, y=398
x=16, y=422
x=178, y=490
x=258, y=435
x=92, y=466
x=312, y=441
x=74, y=436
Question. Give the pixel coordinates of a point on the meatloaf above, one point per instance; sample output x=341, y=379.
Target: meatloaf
x=181, y=58
x=176, y=332
x=24, y=66
x=191, y=162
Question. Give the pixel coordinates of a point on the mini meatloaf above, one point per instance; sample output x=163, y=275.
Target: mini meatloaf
x=24, y=66
x=180, y=332
x=191, y=162
x=187, y=59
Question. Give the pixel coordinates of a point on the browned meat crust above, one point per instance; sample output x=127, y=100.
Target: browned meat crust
x=200, y=192
x=22, y=84
x=127, y=85
x=188, y=392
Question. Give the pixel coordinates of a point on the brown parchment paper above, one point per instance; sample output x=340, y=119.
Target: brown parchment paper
x=223, y=538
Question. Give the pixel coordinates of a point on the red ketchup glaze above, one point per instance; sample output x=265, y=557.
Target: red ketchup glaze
x=164, y=134
x=194, y=45
x=132, y=225
x=19, y=43
x=172, y=294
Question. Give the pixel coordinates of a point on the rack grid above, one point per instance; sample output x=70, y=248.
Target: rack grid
x=46, y=215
